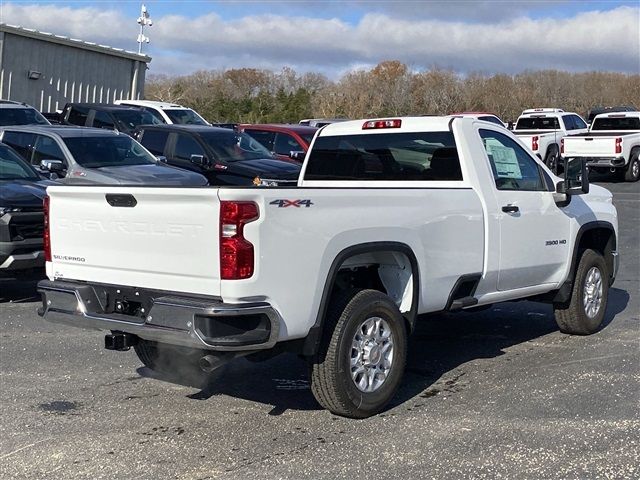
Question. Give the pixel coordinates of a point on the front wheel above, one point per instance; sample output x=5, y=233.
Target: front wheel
x=584, y=313
x=632, y=173
x=362, y=355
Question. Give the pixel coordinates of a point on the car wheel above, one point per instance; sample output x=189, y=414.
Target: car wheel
x=362, y=354
x=584, y=312
x=552, y=157
x=632, y=173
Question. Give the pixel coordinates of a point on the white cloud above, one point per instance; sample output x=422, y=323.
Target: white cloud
x=598, y=40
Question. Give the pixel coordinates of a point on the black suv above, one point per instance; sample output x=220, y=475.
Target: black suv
x=224, y=156
x=112, y=117
x=16, y=113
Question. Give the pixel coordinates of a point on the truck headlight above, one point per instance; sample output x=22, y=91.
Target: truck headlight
x=4, y=210
x=264, y=182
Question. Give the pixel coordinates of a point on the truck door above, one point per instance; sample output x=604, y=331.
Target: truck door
x=534, y=231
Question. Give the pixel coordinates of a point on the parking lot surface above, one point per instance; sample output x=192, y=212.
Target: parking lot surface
x=498, y=393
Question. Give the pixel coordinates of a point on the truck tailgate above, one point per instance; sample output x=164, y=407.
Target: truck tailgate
x=589, y=146
x=156, y=238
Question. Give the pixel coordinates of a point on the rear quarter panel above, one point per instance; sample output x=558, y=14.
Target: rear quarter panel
x=295, y=246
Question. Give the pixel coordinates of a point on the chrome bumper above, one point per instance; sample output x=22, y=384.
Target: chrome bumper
x=606, y=162
x=171, y=317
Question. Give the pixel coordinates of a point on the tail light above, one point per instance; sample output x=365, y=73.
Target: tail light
x=618, y=145
x=47, y=236
x=374, y=124
x=236, y=252
x=534, y=143
x=562, y=146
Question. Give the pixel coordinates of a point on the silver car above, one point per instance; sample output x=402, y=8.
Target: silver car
x=80, y=155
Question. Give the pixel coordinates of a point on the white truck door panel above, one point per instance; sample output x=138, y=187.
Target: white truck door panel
x=167, y=241
x=534, y=232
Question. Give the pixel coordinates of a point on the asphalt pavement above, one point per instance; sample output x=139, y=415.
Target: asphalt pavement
x=494, y=394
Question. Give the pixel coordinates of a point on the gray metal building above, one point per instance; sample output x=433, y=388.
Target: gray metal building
x=47, y=71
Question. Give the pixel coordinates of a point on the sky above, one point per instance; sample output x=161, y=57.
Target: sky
x=334, y=37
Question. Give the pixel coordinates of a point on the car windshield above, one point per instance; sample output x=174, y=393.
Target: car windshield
x=128, y=120
x=108, y=151
x=307, y=137
x=12, y=167
x=184, y=117
x=21, y=116
x=538, y=123
x=230, y=146
x=616, y=123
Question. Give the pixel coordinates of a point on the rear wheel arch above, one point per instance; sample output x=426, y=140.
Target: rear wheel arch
x=351, y=256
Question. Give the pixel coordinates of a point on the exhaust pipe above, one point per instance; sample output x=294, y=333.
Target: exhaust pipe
x=209, y=363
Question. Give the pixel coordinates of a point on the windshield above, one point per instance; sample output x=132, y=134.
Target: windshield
x=616, y=123
x=108, y=151
x=234, y=147
x=538, y=123
x=21, y=116
x=128, y=120
x=12, y=167
x=184, y=117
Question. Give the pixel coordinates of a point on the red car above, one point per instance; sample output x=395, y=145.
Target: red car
x=286, y=142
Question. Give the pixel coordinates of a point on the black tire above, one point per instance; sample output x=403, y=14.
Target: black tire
x=572, y=317
x=331, y=381
x=552, y=158
x=632, y=172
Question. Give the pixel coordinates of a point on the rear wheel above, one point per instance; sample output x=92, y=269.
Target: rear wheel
x=552, y=157
x=362, y=355
x=632, y=173
x=584, y=313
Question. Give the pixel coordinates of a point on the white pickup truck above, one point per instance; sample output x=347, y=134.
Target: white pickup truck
x=390, y=219
x=542, y=130
x=613, y=143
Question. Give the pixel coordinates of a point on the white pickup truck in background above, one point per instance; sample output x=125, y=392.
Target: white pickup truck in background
x=391, y=218
x=542, y=130
x=613, y=143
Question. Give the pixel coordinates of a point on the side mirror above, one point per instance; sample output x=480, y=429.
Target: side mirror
x=200, y=160
x=576, y=177
x=54, y=166
x=163, y=159
x=298, y=156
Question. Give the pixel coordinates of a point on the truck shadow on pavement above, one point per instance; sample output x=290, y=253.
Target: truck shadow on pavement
x=439, y=349
x=19, y=290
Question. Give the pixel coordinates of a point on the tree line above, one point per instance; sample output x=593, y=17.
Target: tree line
x=248, y=95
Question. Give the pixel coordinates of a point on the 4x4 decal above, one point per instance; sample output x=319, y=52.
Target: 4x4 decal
x=284, y=203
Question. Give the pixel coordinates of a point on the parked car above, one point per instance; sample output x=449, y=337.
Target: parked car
x=16, y=113
x=111, y=117
x=320, y=122
x=224, y=156
x=542, y=129
x=22, y=191
x=613, y=143
x=598, y=110
x=80, y=155
x=487, y=117
x=286, y=142
x=170, y=113
x=391, y=218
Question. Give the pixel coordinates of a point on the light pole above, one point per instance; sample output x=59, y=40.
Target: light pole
x=143, y=21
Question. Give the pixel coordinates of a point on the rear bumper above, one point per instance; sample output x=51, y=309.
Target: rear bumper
x=172, y=318
x=607, y=162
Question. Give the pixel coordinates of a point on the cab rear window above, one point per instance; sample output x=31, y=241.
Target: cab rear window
x=616, y=123
x=416, y=156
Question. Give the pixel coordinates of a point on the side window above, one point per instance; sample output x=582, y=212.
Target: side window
x=578, y=122
x=285, y=144
x=513, y=168
x=154, y=141
x=103, y=120
x=187, y=146
x=492, y=119
x=78, y=115
x=20, y=142
x=264, y=138
x=568, y=122
x=46, y=148
x=155, y=114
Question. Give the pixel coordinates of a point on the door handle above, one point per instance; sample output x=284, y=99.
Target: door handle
x=510, y=208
